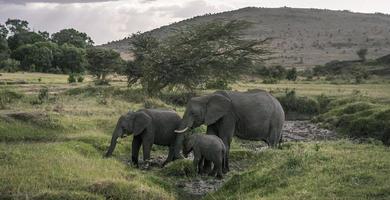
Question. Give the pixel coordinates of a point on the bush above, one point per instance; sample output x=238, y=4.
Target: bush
x=71, y=78
x=43, y=94
x=292, y=74
x=323, y=102
x=80, y=79
x=303, y=105
x=9, y=65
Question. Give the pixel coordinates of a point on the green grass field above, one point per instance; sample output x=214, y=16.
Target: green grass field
x=59, y=153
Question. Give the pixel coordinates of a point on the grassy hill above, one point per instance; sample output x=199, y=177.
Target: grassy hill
x=302, y=37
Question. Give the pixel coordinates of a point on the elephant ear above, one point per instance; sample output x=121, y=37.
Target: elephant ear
x=141, y=122
x=216, y=107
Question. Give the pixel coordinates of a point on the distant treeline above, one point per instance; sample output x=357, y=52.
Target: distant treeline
x=67, y=51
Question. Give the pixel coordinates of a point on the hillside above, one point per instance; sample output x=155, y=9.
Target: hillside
x=302, y=37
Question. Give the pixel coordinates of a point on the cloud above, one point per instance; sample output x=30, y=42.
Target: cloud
x=51, y=1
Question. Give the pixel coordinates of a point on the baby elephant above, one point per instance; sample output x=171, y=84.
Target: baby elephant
x=206, y=147
x=149, y=126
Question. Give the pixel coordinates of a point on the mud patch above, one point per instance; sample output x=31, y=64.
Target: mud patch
x=197, y=188
x=306, y=131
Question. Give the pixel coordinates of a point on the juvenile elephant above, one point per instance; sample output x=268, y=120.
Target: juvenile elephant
x=252, y=115
x=206, y=147
x=149, y=126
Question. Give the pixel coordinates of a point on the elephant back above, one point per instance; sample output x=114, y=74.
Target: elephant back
x=254, y=111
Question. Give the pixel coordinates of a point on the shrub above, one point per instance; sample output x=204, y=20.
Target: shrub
x=323, y=102
x=80, y=79
x=304, y=105
x=43, y=94
x=9, y=65
x=292, y=74
x=71, y=78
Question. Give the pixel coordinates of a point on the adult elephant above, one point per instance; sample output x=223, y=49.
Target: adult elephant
x=149, y=126
x=251, y=115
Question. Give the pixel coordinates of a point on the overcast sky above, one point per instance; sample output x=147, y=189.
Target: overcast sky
x=107, y=20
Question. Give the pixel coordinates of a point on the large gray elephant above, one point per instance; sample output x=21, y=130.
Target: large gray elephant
x=149, y=126
x=252, y=115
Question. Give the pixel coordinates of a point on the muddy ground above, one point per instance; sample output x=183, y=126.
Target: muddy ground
x=196, y=188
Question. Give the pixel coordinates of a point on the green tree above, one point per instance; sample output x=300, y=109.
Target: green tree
x=362, y=53
x=4, y=50
x=292, y=74
x=33, y=57
x=194, y=56
x=72, y=36
x=56, y=51
x=23, y=38
x=72, y=59
x=102, y=62
x=17, y=26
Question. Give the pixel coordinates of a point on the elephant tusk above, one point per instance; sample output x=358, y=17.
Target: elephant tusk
x=181, y=131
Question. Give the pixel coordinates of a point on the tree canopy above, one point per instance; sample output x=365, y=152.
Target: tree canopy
x=193, y=57
x=72, y=36
x=103, y=62
x=23, y=49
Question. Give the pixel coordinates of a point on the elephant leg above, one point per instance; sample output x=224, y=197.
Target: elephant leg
x=196, y=161
x=218, y=168
x=170, y=154
x=135, y=146
x=275, y=134
x=200, y=165
x=178, y=147
x=147, y=147
x=226, y=131
x=214, y=171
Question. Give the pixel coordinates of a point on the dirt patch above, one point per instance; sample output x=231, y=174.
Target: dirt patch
x=199, y=187
x=305, y=131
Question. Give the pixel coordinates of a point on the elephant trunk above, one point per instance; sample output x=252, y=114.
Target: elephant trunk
x=185, y=124
x=114, y=138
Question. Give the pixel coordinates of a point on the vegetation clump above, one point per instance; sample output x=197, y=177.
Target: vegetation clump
x=358, y=119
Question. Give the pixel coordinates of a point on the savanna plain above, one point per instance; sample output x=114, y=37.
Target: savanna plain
x=53, y=136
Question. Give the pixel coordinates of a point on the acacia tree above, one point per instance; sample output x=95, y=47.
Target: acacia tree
x=103, y=62
x=193, y=57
